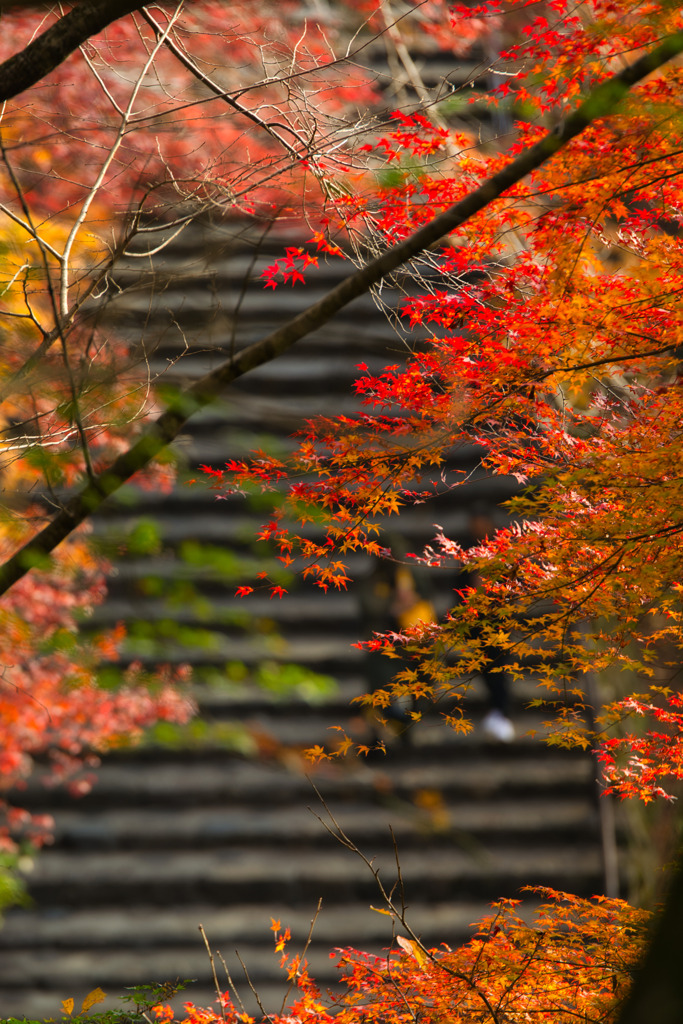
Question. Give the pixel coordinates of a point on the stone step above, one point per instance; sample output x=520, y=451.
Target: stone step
x=185, y=779
x=46, y=980
x=230, y=926
x=512, y=821
x=195, y=298
x=171, y=838
x=263, y=872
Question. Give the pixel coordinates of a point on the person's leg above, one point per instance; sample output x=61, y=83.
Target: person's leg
x=498, y=691
x=497, y=724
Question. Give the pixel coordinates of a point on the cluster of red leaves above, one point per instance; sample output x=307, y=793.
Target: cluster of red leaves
x=575, y=962
x=290, y=267
x=54, y=716
x=638, y=764
x=453, y=27
x=546, y=333
x=416, y=135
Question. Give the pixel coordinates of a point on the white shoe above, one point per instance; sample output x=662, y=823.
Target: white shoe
x=497, y=727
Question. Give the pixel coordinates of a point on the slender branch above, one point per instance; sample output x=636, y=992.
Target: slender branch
x=30, y=230
x=213, y=970
x=188, y=63
x=9, y=386
x=104, y=169
x=254, y=991
x=306, y=148
x=600, y=103
x=53, y=46
x=76, y=406
x=617, y=357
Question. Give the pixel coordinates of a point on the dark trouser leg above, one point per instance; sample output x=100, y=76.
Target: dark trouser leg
x=497, y=686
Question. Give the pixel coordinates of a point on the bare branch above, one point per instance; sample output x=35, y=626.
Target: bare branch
x=78, y=223
x=399, y=915
x=213, y=969
x=192, y=67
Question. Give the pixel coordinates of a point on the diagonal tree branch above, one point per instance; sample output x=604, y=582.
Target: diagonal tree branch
x=55, y=44
x=599, y=103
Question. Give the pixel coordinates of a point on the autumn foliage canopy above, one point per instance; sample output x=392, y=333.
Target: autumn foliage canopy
x=540, y=275
x=545, y=331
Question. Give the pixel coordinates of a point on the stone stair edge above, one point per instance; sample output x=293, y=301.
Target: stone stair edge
x=243, y=923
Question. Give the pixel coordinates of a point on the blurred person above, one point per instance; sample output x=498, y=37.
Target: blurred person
x=497, y=724
x=393, y=597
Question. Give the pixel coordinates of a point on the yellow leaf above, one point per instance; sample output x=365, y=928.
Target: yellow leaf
x=379, y=910
x=94, y=997
x=408, y=946
x=67, y=1006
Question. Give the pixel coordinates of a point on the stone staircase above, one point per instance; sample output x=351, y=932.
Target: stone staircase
x=169, y=840
x=227, y=833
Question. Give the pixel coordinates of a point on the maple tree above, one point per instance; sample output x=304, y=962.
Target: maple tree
x=553, y=339
x=547, y=280
x=553, y=343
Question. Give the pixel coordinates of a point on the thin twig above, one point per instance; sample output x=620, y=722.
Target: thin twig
x=99, y=181
x=266, y=1016
x=231, y=984
x=213, y=970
